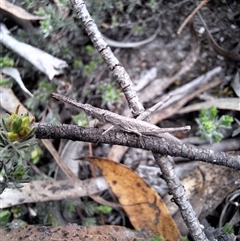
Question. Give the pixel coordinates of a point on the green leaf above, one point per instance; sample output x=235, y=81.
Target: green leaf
x=211, y=126
x=212, y=112
x=19, y=173
x=158, y=238
x=90, y=50
x=226, y=120
x=90, y=222
x=80, y=119
x=16, y=124
x=70, y=207
x=103, y=209
x=6, y=62
x=4, y=217
x=228, y=228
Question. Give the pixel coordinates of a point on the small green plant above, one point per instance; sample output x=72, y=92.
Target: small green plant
x=4, y=218
x=91, y=208
x=17, y=127
x=6, y=62
x=47, y=213
x=138, y=30
x=92, y=63
x=211, y=126
x=16, y=136
x=42, y=93
x=80, y=119
x=228, y=228
x=109, y=92
x=103, y=209
x=70, y=207
x=28, y=4
x=90, y=67
x=6, y=82
x=114, y=21
x=90, y=222
x=55, y=30
x=90, y=50
x=35, y=154
x=153, y=5
x=52, y=20
x=158, y=238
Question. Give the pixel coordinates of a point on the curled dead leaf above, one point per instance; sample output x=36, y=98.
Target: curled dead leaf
x=146, y=210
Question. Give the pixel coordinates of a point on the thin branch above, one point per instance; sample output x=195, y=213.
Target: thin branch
x=159, y=145
x=123, y=80
x=138, y=44
x=58, y=160
x=178, y=192
x=204, y=2
x=229, y=54
x=119, y=72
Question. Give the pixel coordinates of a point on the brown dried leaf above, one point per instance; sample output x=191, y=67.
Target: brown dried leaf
x=18, y=11
x=74, y=233
x=146, y=210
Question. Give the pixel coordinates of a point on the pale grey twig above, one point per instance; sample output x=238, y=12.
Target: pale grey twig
x=118, y=44
x=123, y=80
x=151, y=110
x=229, y=54
x=180, y=198
x=119, y=73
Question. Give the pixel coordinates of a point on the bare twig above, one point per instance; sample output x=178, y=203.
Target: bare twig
x=229, y=54
x=157, y=87
x=119, y=72
x=178, y=192
x=191, y=15
x=58, y=160
x=137, y=44
x=161, y=145
x=182, y=95
x=151, y=110
x=125, y=82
